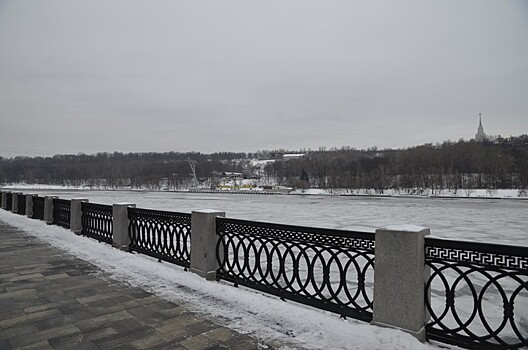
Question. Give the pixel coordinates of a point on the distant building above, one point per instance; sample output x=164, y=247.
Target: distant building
x=285, y=156
x=480, y=135
x=293, y=155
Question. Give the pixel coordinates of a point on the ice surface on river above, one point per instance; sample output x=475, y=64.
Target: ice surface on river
x=485, y=220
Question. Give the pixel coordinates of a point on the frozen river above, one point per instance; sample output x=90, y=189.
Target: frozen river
x=486, y=220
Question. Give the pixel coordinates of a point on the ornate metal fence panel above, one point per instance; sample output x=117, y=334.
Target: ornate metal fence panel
x=161, y=234
x=478, y=294
x=97, y=221
x=328, y=269
x=61, y=212
x=9, y=202
x=21, y=204
x=38, y=208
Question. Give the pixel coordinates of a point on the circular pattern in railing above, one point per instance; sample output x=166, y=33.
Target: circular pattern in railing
x=475, y=305
x=61, y=212
x=97, y=221
x=38, y=207
x=303, y=266
x=161, y=234
x=21, y=205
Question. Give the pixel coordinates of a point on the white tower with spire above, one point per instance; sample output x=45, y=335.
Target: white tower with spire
x=480, y=135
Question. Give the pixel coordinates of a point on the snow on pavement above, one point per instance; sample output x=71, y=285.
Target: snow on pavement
x=243, y=310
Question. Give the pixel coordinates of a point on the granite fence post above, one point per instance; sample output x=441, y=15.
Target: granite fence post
x=121, y=239
x=4, y=199
x=203, y=243
x=14, y=202
x=48, y=209
x=76, y=215
x=29, y=205
x=399, y=279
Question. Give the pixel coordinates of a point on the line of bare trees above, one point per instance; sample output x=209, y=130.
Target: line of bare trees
x=462, y=165
x=117, y=170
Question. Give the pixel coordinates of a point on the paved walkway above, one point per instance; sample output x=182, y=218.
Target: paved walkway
x=51, y=300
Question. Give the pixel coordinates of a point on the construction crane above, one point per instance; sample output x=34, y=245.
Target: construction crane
x=192, y=164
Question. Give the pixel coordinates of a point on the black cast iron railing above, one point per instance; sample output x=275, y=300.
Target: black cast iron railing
x=161, y=234
x=61, y=212
x=97, y=221
x=328, y=269
x=478, y=294
x=38, y=208
x=9, y=202
x=21, y=204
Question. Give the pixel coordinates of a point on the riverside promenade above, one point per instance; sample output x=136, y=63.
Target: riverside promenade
x=52, y=300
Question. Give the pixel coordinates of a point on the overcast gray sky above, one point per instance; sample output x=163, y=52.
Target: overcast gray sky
x=241, y=75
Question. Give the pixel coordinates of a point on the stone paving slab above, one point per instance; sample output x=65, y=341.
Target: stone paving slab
x=52, y=300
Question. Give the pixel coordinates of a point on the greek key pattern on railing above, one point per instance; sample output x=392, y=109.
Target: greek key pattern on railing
x=479, y=258
x=21, y=205
x=161, y=234
x=61, y=212
x=38, y=208
x=328, y=269
x=97, y=221
x=478, y=294
x=308, y=235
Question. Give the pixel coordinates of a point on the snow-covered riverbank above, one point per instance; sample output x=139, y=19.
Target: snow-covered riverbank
x=418, y=193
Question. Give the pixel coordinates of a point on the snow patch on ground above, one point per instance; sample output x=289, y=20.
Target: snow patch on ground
x=407, y=192
x=410, y=192
x=244, y=310
x=24, y=186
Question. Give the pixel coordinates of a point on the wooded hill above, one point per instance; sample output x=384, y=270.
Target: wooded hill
x=460, y=165
x=450, y=165
x=115, y=170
